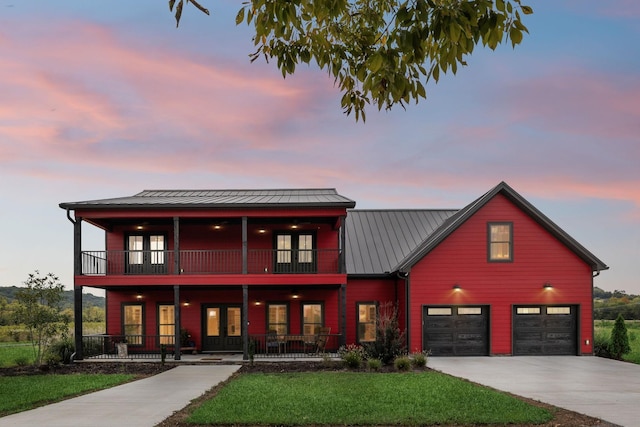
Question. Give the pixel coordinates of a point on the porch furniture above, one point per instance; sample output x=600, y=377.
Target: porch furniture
x=273, y=341
x=318, y=341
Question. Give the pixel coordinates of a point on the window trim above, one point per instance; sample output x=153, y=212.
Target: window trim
x=288, y=314
x=490, y=242
x=375, y=321
x=302, y=323
x=142, y=322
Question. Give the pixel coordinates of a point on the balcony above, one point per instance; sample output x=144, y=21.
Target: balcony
x=205, y=262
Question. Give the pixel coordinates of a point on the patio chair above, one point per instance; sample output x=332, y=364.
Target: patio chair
x=320, y=340
x=272, y=340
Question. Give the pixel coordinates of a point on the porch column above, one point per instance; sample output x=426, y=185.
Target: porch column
x=244, y=246
x=245, y=322
x=342, y=267
x=176, y=318
x=343, y=314
x=176, y=245
x=77, y=291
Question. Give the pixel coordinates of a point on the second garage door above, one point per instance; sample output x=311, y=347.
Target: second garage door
x=545, y=330
x=456, y=330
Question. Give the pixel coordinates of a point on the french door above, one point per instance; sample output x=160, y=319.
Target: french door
x=146, y=254
x=295, y=253
x=221, y=327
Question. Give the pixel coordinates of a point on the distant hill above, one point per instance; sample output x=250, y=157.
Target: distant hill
x=88, y=300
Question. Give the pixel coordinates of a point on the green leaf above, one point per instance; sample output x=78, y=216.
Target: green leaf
x=240, y=16
x=375, y=62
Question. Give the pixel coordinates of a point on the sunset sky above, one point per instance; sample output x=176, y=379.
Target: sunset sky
x=104, y=99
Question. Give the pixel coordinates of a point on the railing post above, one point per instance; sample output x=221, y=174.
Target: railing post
x=176, y=245
x=245, y=263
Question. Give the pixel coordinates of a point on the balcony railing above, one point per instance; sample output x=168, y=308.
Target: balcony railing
x=259, y=261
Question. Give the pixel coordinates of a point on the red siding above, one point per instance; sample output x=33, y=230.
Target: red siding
x=537, y=258
x=367, y=290
x=191, y=314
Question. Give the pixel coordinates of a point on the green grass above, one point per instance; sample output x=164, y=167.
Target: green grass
x=352, y=398
x=10, y=353
x=20, y=393
x=633, y=330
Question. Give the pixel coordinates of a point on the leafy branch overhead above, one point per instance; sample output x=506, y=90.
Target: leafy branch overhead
x=380, y=52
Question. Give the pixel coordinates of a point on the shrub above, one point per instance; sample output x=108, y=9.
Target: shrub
x=60, y=351
x=22, y=361
x=374, y=364
x=352, y=355
x=619, y=339
x=389, y=341
x=601, y=344
x=402, y=363
x=419, y=360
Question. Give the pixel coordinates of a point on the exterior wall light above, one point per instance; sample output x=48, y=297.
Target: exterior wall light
x=138, y=295
x=457, y=287
x=186, y=303
x=547, y=286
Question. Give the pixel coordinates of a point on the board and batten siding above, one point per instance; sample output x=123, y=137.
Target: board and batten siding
x=538, y=258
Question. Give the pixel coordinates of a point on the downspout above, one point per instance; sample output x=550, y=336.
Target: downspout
x=407, y=308
x=593, y=312
x=77, y=292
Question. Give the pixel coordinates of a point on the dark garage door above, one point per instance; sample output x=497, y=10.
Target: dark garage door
x=456, y=330
x=545, y=330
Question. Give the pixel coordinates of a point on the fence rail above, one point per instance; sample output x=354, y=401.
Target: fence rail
x=259, y=261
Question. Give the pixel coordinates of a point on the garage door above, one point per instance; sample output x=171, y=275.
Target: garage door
x=545, y=330
x=456, y=330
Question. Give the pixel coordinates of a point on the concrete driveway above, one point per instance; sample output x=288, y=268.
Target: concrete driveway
x=601, y=388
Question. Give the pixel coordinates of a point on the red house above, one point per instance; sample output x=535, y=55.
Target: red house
x=264, y=270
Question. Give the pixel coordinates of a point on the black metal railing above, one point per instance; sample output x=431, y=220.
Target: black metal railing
x=259, y=261
x=293, y=345
x=102, y=346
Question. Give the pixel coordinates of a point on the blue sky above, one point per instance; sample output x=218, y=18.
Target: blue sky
x=104, y=99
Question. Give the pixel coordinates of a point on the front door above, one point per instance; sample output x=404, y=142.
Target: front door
x=221, y=327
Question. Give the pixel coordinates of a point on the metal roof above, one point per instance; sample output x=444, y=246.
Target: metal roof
x=377, y=240
x=315, y=197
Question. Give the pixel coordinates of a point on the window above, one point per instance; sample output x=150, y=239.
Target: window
x=500, y=242
x=469, y=310
x=435, y=311
x=312, y=318
x=558, y=310
x=145, y=254
x=132, y=323
x=367, y=314
x=166, y=323
x=295, y=253
x=528, y=310
x=277, y=318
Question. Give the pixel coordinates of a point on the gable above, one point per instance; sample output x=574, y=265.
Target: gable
x=517, y=201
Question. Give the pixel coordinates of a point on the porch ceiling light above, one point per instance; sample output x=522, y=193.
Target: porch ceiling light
x=295, y=294
x=186, y=303
x=139, y=295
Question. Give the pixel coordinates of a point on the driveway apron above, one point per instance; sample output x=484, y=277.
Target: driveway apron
x=141, y=403
x=598, y=387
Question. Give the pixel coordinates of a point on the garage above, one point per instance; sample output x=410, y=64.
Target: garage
x=456, y=330
x=545, y=330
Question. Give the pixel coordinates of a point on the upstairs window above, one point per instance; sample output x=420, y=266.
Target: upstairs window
x=500, y=242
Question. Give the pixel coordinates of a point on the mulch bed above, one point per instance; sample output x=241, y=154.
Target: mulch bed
x=562, y=417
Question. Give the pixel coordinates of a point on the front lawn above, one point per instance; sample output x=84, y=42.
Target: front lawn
x=12, y=354
x=355, y=398
x=19, y=393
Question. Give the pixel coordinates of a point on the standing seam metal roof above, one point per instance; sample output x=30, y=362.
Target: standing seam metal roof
x=322, y=197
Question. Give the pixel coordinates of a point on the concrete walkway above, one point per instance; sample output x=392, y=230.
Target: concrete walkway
x=601, y=388
x=141, y=403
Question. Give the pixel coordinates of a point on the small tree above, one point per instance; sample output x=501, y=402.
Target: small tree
x=40, y=311
x=619, y=339
x=389, y=341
